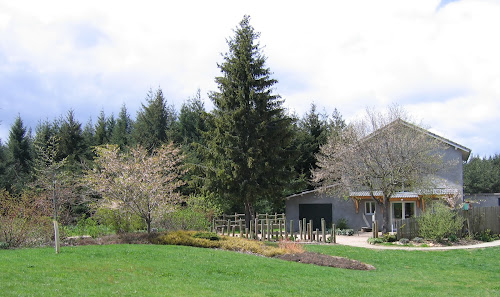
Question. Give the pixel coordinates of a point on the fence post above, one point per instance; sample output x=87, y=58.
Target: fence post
x=291, y=230
x=312, y=228
x=334, y=234
x=323, y=231
x=281, y=230
x=300, y=229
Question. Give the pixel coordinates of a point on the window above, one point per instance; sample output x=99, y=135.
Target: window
x=369, y=207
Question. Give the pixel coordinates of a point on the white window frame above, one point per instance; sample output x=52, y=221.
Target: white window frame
x=369, y=207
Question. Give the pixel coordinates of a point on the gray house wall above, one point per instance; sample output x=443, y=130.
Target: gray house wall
x=453, y=171
x=341, y=209
x=483, y=199
x=450, y=177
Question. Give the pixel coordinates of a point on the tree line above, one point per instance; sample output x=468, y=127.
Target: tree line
x=482, y=175
x=245, y=154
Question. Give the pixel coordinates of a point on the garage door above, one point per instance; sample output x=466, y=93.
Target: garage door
x=315, y=212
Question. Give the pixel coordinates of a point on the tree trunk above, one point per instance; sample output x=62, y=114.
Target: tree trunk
x=386, y=212
x=248, y=213
x=148, y=223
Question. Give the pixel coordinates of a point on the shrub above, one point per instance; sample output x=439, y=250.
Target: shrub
x=377, y=240
x=404, y=241
x=119, y=221
x=440, y=223
x=389, y=237
x=348, y=232
x=185, y=218
x=486, y=236
x=23, y=220
x=86, y=226
x=418, y=240
x=291, y=247
x=341, y=224
x=187, y=238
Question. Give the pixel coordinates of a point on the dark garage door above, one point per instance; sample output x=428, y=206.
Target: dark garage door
x=315, y=212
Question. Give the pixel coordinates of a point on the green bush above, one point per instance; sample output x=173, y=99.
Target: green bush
x=486, y=236
x=86, y=226
x=418, y=240
x=348, y=232
x=377, y=240
x=341, y=224
x=404, y=241
x=185, y=218
x=389, y=237
x=119, y=221
x=439, y=222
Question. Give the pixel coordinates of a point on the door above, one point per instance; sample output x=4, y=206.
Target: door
x=402, y=210
x=315, y=212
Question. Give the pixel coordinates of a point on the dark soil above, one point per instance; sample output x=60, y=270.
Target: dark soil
x=326, y=260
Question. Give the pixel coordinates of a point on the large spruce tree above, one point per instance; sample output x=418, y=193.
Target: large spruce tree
x=19, y=156
x=249, y=157
x=154, y=121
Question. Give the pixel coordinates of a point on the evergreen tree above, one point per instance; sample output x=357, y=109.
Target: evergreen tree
x=3, y=166
x=249, y=159
x=154, y=121
x=122, y=130
x=101, y=130
x=311, y=133
x=192, y=120
x=71, y=142
x=19, y=156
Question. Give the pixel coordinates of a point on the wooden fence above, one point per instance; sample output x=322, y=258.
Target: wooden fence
x=477, y=220
x=272, y=227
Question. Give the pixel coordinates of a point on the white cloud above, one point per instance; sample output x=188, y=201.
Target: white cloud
x=438, y=58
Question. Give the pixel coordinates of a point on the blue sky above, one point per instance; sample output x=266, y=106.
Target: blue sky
x=438, y=59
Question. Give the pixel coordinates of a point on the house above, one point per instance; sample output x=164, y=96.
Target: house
x=360, y=210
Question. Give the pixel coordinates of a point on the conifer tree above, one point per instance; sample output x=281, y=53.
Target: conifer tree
x=154, y=121
x=122, y=130
x=19, y=156
x=249, y=158
x=71, y=142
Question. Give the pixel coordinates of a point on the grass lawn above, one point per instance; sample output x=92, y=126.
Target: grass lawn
x=153, y=270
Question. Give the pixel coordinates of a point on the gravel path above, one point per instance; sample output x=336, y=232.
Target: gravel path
x=360, y=240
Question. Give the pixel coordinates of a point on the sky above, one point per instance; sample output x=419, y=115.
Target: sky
x=440, y=60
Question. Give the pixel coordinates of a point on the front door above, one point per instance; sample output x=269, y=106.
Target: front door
x=401, y=210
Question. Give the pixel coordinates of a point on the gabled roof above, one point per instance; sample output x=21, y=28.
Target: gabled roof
x=464, y=150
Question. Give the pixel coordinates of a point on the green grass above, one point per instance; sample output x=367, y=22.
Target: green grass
x=153, y=270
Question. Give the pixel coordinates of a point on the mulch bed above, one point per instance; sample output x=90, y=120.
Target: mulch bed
x=144, y=238
x=326, y=260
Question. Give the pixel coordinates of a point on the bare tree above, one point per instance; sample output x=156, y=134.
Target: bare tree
x=137, y=181
x=382, y=154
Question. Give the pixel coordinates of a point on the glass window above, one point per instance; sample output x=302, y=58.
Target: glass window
x=369, y=207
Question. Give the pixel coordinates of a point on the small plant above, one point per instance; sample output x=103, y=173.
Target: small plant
x=342, y=224
x=404, y=241
x=389, y=237
x=348, y=232
x=291, y=247
x=453, y=238
x=377, y=240
x=486, y=236
x=418, y=240
x=4, y=245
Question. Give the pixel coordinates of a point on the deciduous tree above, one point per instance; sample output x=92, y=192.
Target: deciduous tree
x=138, y=181
x=382, y=153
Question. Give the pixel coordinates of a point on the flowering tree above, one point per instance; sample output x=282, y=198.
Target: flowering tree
x=138, y=181
x=383, y=154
